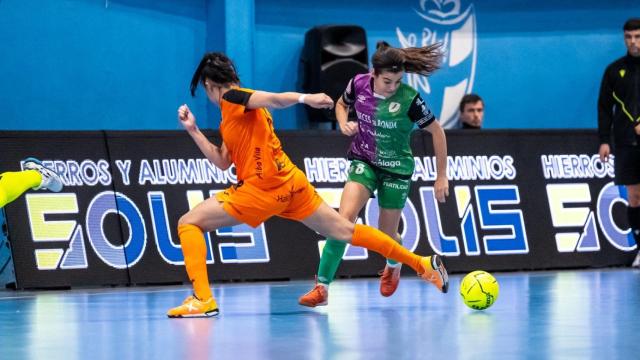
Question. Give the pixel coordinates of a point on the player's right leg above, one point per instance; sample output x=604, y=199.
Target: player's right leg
x=393, y=192
x=353, y=198
x=205, y=217
x=50, y=180
x=36, y=176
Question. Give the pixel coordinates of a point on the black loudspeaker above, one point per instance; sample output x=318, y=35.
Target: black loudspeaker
x=331, y=56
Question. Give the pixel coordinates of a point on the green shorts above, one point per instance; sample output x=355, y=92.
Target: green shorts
x=392, y=190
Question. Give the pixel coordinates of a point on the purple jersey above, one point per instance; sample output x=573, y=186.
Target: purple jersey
x=385, y=124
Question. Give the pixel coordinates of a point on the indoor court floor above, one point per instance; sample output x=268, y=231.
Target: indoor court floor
x=582, y=314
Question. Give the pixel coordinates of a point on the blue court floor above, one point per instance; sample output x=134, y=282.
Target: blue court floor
x=587, y=314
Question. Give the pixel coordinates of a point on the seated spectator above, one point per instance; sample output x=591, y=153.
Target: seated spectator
x=471, y=112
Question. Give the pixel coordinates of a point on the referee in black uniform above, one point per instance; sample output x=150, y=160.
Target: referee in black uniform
x=619, y=111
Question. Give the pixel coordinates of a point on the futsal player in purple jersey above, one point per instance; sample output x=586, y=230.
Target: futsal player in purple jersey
x=381, y=160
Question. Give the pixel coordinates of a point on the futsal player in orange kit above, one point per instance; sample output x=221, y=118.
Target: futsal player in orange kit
x=269, y=184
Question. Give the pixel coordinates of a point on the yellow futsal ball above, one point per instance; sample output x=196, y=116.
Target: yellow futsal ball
x=479, y=289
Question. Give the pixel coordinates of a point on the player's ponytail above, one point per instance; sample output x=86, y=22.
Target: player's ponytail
x=423, y=60
x=216, y=67
x=419, y=60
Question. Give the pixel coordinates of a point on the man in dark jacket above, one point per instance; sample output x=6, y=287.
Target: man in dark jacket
x=471, y=112
x=619, y=109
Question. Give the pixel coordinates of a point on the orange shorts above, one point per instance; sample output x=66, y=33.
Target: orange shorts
x=295, y=199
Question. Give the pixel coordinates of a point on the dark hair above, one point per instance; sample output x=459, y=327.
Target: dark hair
x=419, y=60
x=469, y=99
x=216, y=67
x=631, y=24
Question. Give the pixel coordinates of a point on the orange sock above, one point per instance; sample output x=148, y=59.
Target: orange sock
x=376, y=240
x=194, y=250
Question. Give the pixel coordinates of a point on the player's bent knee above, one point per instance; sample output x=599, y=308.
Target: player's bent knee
x=185, y=220
x=343, y=231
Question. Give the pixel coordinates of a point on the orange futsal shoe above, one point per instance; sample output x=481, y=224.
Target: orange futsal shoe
x=192, y=307
x=435, y=272
x=390, y=280
x=318, y=296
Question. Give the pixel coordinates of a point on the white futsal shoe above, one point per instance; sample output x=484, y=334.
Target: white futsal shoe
x=50, y=179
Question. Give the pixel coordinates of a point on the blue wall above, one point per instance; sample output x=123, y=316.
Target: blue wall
x=539, y=64
x=126, y=64
x=95, y=64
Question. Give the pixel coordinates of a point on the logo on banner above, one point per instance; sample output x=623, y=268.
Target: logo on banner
x=64, y=240
x=571, y=204
x=452, y=22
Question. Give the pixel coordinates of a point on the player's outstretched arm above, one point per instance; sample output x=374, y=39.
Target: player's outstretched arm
x=262, y=99
x=218, y=155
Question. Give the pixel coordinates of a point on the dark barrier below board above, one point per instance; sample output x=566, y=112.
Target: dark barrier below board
x=519, y=200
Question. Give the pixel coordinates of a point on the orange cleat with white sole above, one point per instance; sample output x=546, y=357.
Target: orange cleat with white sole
x=192, y=307
x=390, y=279
x=435, y=272
x=318, y=296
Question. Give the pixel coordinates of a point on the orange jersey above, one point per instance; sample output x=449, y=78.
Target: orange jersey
x=252, y=143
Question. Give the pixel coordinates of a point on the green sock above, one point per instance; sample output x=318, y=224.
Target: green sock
x=331, y=257
x=393, y=262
